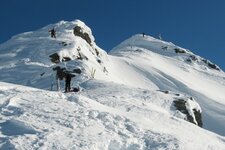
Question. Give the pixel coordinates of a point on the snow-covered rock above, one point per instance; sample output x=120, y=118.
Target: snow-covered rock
x=32, y=56
x=191, y=109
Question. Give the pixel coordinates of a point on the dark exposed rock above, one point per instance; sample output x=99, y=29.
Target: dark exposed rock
x=211, y=65
x=180, y=105
x=78, y=32
x=189, y=60
x=193, y=57
x=66, y=59
x=86, y=58
x=207, y=62
x=105, y=70
x=198, y=117
x=63, y=43
x=99, y=61
x=42, y=73
x=177, y=50
x=54, y=58
x=166, y=92
x=81, y=56
x=138, y=50
x=78, y=71
x=97, y=52
x=164, y=47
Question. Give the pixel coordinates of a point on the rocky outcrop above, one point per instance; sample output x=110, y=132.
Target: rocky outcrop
x=201, y=61
x=193, y=114
x=186, y=108
x=178, y=50
x=211, y=65
x=56, y=59
x=78, y=32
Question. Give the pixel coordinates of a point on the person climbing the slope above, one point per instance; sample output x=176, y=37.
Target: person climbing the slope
x=53, y=33
x=67, y=82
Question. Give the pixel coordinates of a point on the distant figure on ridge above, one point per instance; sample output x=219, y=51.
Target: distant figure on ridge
x=53, y=33
x=67, y=82
x=143, y=34
x=160, y=36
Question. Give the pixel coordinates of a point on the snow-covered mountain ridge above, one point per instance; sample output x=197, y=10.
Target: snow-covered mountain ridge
x=127, y=98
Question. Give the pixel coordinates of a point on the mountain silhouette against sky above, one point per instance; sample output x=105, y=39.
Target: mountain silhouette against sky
x=145, y=93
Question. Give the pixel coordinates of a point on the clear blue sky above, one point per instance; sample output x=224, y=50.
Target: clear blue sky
x=198, y=25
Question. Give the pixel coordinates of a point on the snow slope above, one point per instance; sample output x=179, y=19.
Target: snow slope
x=166, y=70
x=126, y=97
x=120, y=118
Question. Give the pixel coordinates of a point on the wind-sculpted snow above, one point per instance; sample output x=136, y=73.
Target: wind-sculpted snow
x=96, y=119
x=157, y=68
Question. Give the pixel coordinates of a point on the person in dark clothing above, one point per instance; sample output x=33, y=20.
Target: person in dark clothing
x=143, y=34
x=53, y=33
x=67, y=81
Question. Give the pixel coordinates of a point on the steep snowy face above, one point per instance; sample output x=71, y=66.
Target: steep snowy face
x=29, y=58
x=159, y=65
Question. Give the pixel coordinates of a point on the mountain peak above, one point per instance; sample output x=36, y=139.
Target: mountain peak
x=136, y=96
x=146, y=42
x=141, y=44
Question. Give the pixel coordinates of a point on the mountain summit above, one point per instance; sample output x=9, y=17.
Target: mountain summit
x=144, y=94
